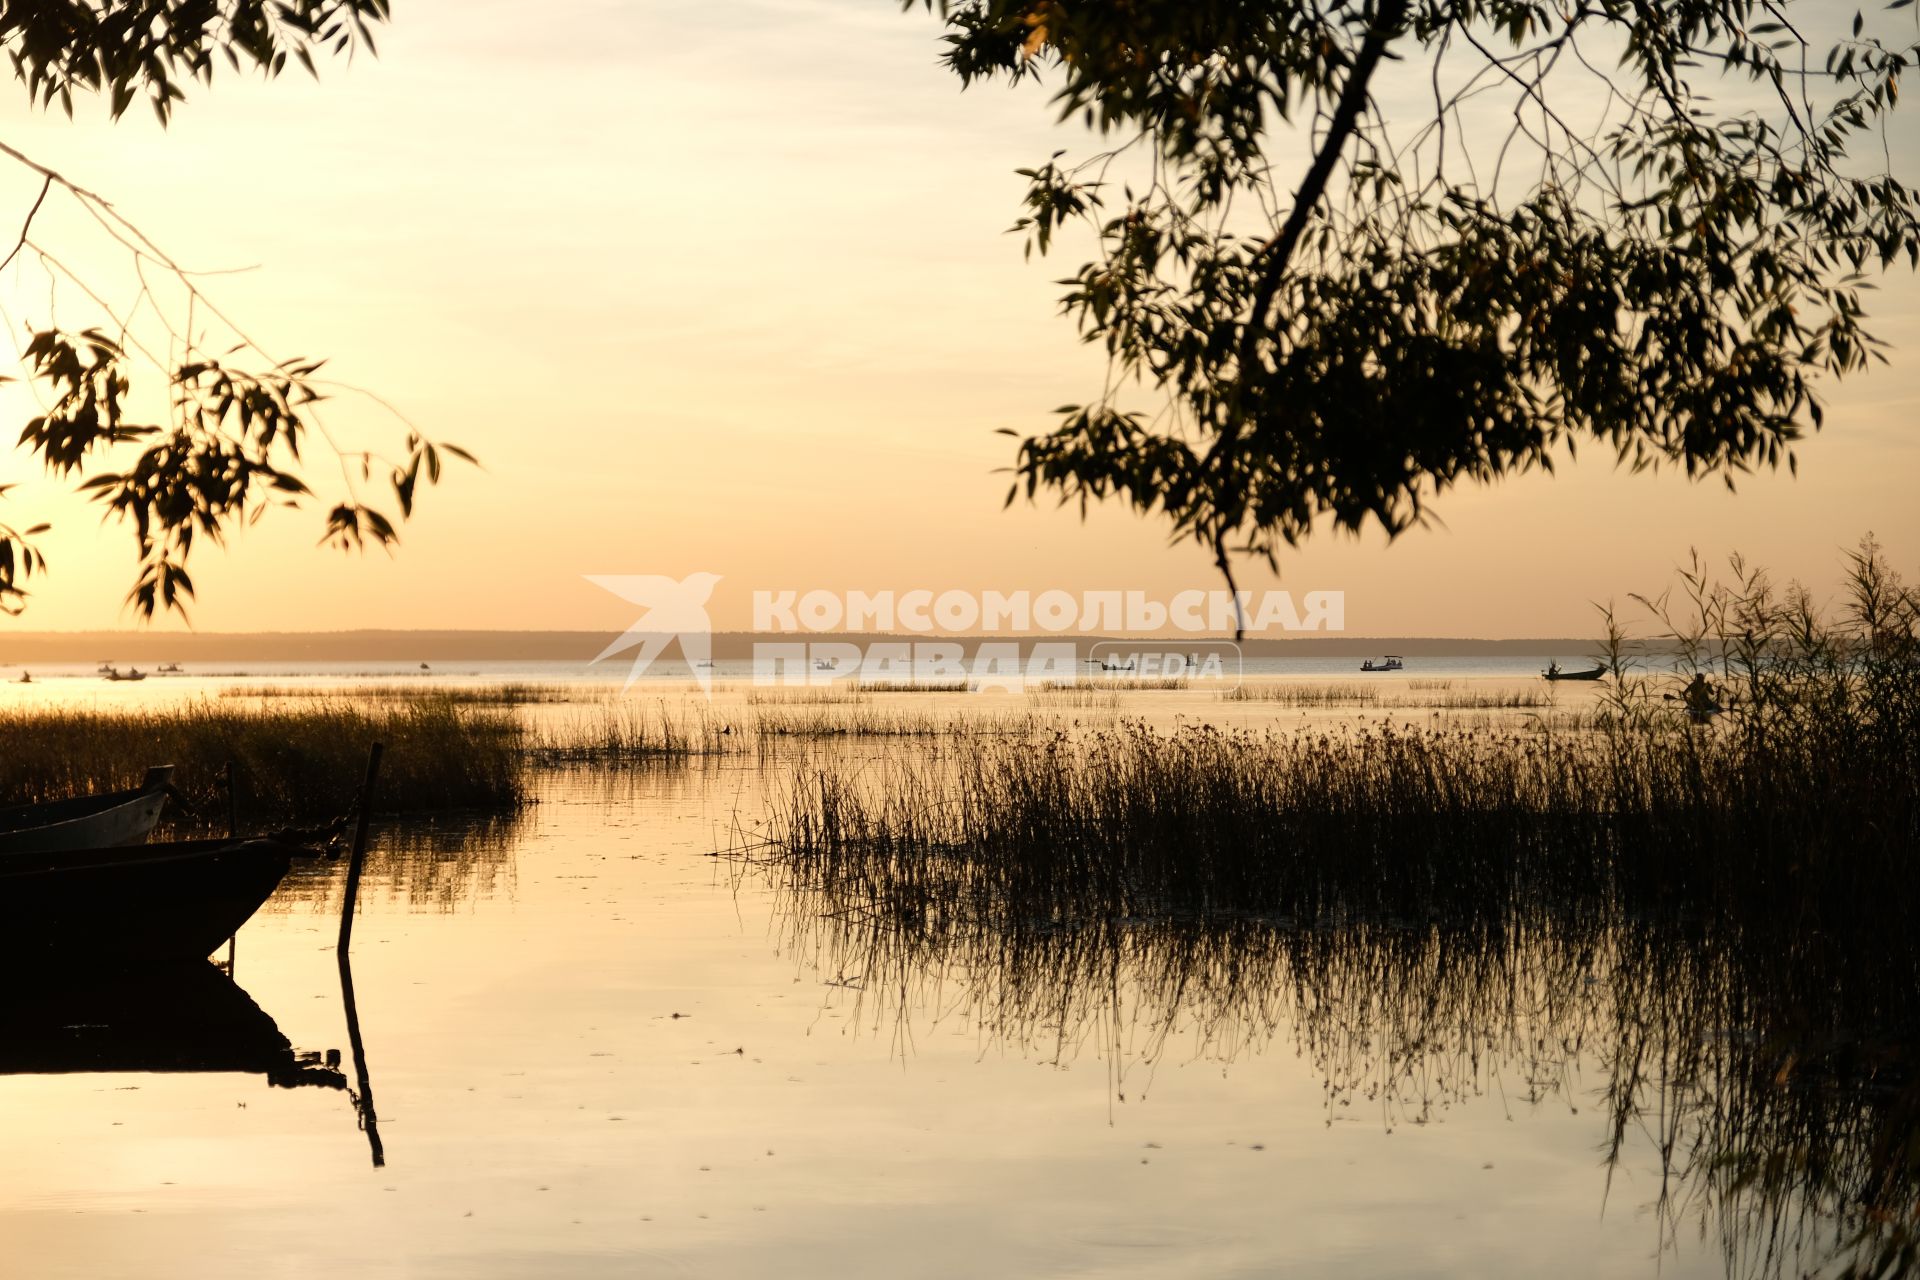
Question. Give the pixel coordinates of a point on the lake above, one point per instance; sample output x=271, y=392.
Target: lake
x=595, y=1048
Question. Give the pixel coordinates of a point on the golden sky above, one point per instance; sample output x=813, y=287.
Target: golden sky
x=725, y=288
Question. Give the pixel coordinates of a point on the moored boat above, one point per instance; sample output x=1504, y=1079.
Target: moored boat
x=87, y=822
x=128, y=908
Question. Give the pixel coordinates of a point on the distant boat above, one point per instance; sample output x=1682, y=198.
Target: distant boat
x=26, y=677
x=87, y=822
x=168, y=669
x=134, y=908
x=425, y=667
x=1392, y=663
x=1553, y=672
x=823, y=664
x=131, y=673
x=105, y=669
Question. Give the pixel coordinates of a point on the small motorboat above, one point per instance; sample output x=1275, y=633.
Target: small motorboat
x=1553, y=672
x=134, y=909
x=1391, y=663
x=109, y=820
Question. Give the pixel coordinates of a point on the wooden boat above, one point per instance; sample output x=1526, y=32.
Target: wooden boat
x=185, y=1018
x=1553, y=672
x=86, y=822
x=125, y=908
x=131, y=673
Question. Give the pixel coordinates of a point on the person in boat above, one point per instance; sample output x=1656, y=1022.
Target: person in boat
x=1700, y=698
x=1553, y=668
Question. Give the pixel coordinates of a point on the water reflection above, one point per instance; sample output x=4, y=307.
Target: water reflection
x=193, y=1018
x=1779, y=1102
x=176, y=1019
x=441, y=863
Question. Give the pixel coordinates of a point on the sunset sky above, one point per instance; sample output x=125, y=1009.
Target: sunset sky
x=725, y=288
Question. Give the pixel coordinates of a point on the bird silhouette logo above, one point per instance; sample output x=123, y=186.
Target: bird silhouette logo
x=673, y=609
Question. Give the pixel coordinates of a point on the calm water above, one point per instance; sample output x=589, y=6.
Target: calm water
x=596, y=1049
x=667, y=674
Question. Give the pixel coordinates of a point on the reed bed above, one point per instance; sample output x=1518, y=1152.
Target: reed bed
x=1056, y=696
x=769, y=724
x=1723, y=887
x=1112, y=684
x=1287, y=693
x=1423, y=694
x=850, y=690
x=1490, y=700
x=299, y=762
x=837, y=694
x=913, y=686
x=630, y=732
x=509, y=694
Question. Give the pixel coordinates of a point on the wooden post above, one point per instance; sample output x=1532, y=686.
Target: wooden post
x=359, y=855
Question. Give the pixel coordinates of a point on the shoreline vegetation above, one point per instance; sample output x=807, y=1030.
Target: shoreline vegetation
x=1722, y=887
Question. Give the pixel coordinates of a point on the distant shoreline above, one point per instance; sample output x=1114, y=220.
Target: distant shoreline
x=581, y=646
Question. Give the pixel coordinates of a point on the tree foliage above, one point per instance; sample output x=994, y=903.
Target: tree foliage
x=125, y=48
x=1512, y=227
x=231, y=444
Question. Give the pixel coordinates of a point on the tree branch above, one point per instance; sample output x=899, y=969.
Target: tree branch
x=1277, y=252
x=26, y=226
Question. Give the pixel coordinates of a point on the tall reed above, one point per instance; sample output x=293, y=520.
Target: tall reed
x=294, y=762
x=1737, y=870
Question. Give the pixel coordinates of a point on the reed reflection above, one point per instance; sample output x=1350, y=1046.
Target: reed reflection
x=1762, y=1065
x=433, y=864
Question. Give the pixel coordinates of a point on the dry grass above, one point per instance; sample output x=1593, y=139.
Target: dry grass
x=508, y=694
x=628, y=732
x=293, y=763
